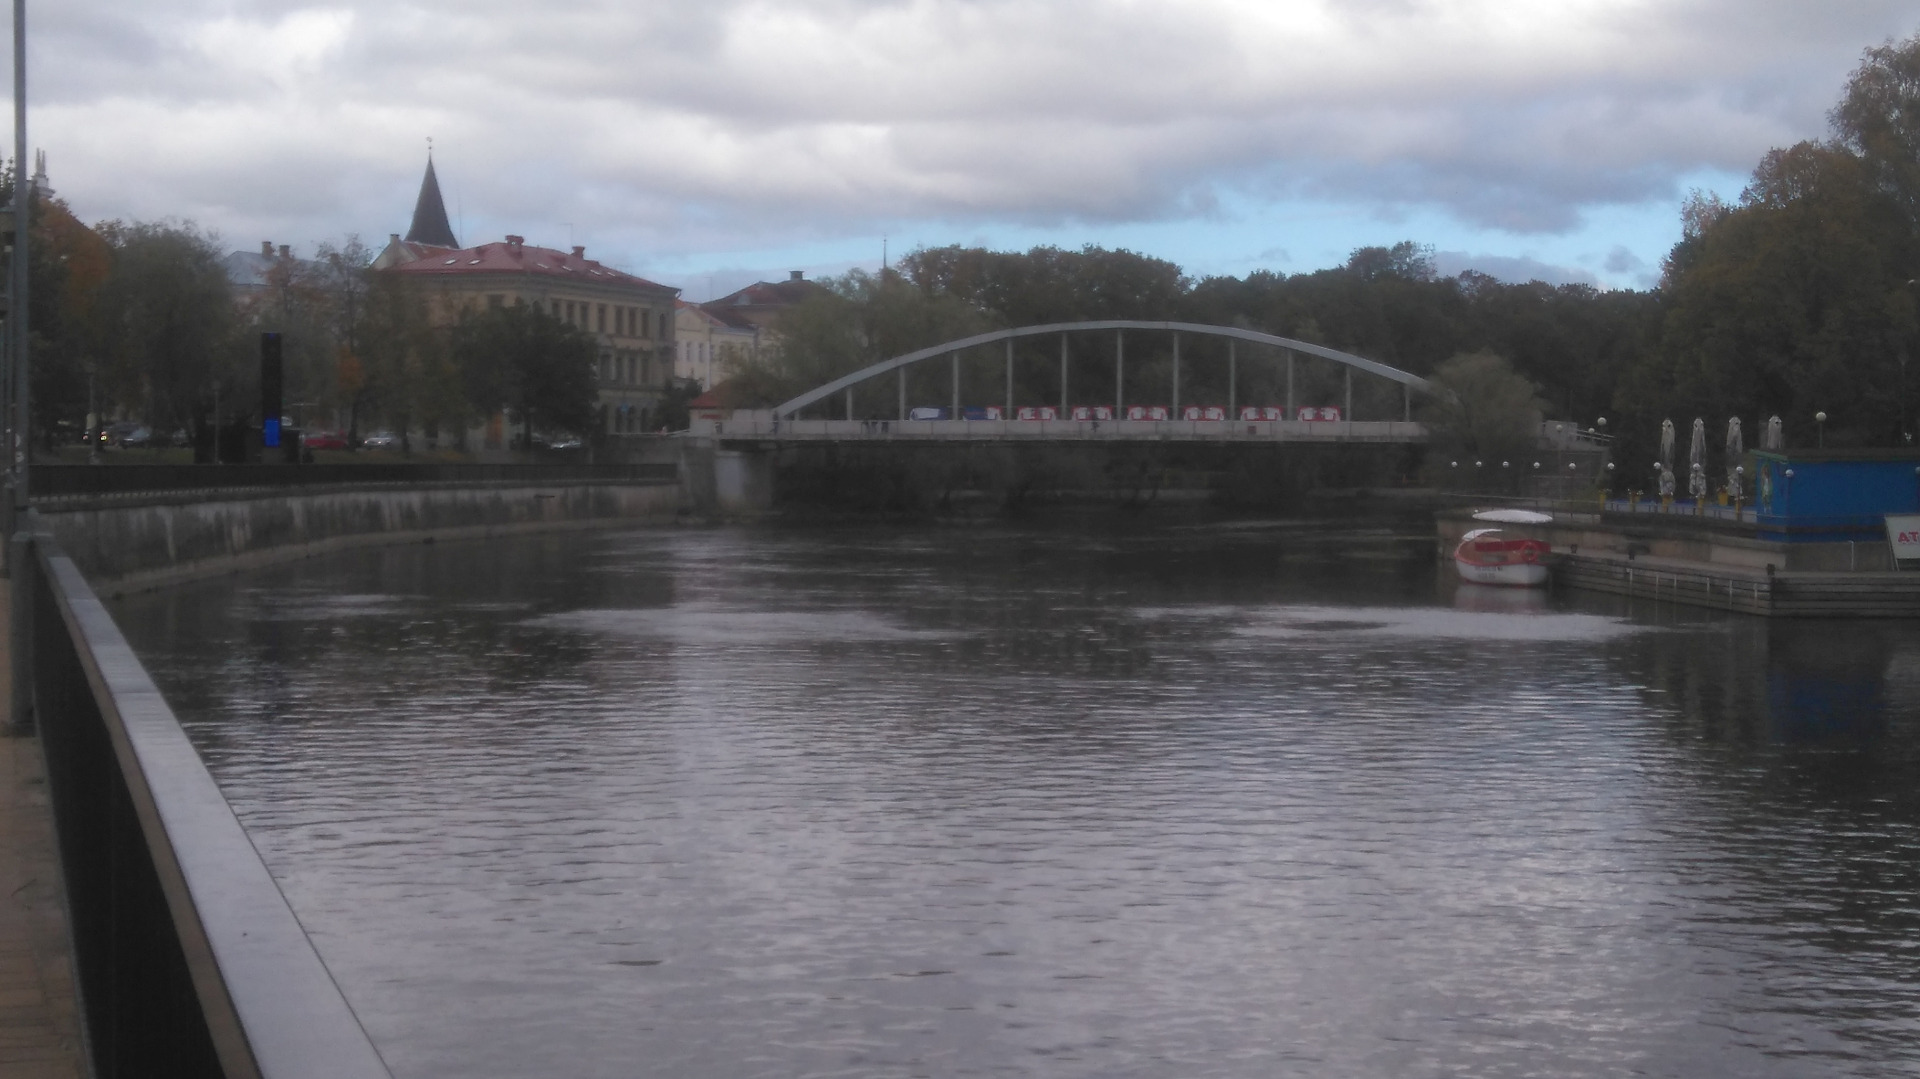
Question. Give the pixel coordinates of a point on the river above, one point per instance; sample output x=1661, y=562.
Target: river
x=1241, y=798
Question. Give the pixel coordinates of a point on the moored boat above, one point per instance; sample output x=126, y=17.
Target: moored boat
x=1490, y=556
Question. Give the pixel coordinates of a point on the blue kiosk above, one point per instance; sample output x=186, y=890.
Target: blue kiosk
x=1824, y=496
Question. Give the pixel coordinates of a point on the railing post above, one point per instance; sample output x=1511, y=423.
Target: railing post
x=1290, y=412
x=1119, y=374
x=1063, y=376
x=1008, y=414
x=955, y=414
x=1175, y=412
x=902, y=372
x=1233, y=412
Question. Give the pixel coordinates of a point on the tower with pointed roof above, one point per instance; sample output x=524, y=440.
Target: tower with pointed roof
x=430, y=213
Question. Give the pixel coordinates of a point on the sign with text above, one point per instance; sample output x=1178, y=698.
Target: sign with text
x=1903, y=532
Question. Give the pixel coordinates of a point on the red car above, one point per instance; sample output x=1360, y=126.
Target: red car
x=323, y=440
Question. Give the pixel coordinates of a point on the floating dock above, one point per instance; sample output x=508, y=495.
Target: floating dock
x=1713, y=564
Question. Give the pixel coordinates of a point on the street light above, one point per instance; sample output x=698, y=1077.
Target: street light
x=1820, y=424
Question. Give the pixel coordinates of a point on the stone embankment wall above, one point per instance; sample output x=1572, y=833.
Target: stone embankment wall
x=129, y=543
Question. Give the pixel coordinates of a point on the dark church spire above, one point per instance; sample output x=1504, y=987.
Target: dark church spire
x=430, y=214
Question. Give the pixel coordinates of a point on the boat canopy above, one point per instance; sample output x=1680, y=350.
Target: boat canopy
x=1514, y=517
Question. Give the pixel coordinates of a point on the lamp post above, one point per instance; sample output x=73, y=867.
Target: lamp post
x=20, y=582
x=1820, y=424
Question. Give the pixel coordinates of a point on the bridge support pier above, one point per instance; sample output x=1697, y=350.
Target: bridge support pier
x=727, y=481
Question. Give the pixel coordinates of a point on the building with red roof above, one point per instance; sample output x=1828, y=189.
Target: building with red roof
x=630, y=317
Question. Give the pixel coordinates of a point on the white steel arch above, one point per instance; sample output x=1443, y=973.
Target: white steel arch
x=789, y=409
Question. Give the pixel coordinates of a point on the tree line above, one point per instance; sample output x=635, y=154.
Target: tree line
x=140, y=319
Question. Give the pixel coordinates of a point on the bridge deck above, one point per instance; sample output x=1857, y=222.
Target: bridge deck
x=765, y=427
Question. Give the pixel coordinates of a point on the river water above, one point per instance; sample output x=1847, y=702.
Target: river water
x=1244, y=798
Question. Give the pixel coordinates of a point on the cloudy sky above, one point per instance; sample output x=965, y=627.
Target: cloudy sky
x=708, y=142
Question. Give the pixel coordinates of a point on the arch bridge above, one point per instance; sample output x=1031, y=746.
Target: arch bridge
x=810, y=415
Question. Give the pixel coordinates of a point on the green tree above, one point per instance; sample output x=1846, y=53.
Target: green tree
x=166, y=322
x=1878, y=119
x=406, y=366
x=1484, y=413
x=859, y=320
x=520, y=357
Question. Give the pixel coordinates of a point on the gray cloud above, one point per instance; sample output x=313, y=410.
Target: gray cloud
x=727, y=124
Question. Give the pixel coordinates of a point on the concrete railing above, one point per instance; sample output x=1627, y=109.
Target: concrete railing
x=189, y=960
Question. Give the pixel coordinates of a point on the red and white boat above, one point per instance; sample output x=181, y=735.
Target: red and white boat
x=1491, y=556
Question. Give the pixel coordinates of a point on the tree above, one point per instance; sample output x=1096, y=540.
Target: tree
x=166, y=321
x=68, y=263
x=1483, y=411
x=520, y=357
x=1878, y=119
x=860, y=319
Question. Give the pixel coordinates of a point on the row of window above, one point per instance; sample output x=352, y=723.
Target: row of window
x=593, y=317
x=626, y=368
x=627, y=321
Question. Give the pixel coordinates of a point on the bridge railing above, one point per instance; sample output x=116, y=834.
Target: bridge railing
x=764, y=427
x=189, y=960
x=68, y=481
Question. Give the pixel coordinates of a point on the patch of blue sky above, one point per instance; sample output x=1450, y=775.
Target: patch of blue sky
x=1615, y=245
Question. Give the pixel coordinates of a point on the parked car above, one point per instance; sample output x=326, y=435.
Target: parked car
x=126, y=435
x=381, y=440
x=323, y=440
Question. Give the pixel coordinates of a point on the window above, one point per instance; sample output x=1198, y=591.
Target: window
x=600, y=319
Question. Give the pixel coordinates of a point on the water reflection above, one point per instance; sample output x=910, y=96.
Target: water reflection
x=1254, y=798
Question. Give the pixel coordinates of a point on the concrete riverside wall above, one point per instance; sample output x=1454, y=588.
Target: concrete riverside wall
x=129, y=543
x=919, y=477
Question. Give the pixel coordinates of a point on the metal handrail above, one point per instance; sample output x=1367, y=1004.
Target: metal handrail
x=190, y=960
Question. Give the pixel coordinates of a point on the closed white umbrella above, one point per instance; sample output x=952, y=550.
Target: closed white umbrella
x=1666, y=442
x=1736, y=448
x=1697, y=448
x=1776, y=436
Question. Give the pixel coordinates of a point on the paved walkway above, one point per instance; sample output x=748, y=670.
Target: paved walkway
x=39, y=1023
